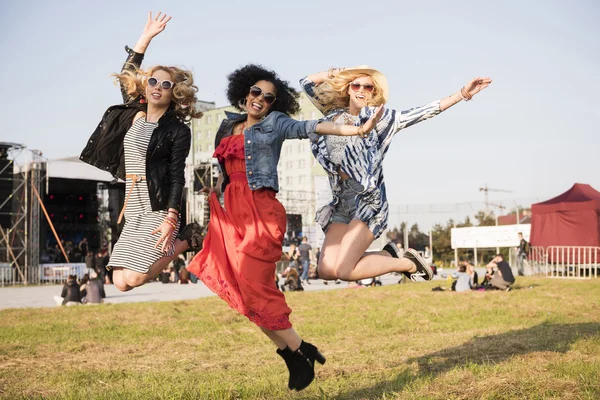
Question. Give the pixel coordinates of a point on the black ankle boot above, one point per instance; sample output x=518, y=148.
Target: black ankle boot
x=194, y=236
x=288, y=356
x=304, y=364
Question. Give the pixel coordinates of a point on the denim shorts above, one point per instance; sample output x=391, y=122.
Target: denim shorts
x=346, y=206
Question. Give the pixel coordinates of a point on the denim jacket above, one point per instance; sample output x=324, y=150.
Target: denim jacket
x=262, y=145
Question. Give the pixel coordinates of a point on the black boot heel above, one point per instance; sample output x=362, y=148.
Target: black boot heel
x=305, y=357
x=320, y=358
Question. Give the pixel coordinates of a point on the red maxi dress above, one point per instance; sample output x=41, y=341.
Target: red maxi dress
x=243, y=243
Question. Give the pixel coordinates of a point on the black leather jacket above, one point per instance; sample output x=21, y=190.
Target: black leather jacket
x=168, y=148
x=71, y=292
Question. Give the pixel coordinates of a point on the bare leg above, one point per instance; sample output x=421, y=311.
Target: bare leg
x=343, y=255
x=283, y=338
x=125, y=279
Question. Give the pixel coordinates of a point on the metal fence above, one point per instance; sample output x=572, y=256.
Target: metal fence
x=42, y=274
x=580, y=262
x=572, y=261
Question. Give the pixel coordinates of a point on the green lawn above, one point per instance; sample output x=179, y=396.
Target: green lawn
x=392, y=342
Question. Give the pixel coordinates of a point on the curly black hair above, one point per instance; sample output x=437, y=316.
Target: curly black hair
x=242, y=79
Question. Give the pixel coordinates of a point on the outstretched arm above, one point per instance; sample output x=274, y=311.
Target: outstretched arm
x=393, y=121
x=153, y=27
x=292, y=129
x=466, y=93
x=330, y=128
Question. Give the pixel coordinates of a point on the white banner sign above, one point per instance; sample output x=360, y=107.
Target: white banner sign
x=489, y=236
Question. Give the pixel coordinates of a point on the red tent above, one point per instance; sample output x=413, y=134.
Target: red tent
x=571, y=219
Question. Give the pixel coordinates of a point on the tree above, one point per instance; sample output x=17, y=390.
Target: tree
x=396, y=235
x=417, y=239
x=484, y=219
x=442, y=249
x=466, y=223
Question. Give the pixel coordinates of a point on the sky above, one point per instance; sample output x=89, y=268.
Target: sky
x=533, y=132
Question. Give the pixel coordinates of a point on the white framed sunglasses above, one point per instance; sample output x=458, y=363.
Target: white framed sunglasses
x=167, y=85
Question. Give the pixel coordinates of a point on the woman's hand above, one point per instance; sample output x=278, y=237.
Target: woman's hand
x=210, y=190
x=477, y=85
x=166, y=233
x=153, y=27
x=367, y=127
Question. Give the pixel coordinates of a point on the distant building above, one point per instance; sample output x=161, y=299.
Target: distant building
x=524, y=217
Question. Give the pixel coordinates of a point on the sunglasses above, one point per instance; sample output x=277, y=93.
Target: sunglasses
x=269, y=97
x=356, y=87
x=164, y=84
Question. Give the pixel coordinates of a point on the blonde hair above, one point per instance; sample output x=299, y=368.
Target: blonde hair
x=134, y=82
x=333, y=93
x=293, y=273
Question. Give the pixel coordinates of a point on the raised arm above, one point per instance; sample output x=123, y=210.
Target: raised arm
x=311, y=82
x=393, y=121
x=153, y=27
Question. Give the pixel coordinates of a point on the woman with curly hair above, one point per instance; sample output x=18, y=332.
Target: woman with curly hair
x=245, y=239
x=145, y=142
x=358, y=213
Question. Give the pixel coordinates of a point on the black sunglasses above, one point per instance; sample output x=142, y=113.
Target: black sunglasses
x=164, y=84
x=269, y=97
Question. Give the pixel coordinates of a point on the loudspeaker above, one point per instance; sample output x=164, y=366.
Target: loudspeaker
x=294, y=226
x=6, y=189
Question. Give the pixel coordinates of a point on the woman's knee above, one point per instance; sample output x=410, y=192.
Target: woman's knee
x=134, y=280
x=120, y=284
x=343, y=273
x=326, y=271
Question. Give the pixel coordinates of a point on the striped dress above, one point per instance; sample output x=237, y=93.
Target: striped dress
x=135, y=248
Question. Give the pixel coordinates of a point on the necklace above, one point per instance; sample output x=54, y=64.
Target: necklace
x=242, y=127
x=348, y=119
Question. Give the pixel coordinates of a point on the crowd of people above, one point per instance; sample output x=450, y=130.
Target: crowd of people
x=176, y=272
x=88, y=290
x=498, y=276
x=75, y=251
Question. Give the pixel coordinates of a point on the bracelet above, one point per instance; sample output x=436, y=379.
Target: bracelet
x=171, y=219
x=465, y=95
x=170, y=223
x=360, y=132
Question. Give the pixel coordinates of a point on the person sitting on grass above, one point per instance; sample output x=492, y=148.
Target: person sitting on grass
x=184, y=276
x=503, y=278
x=473, y=275
x=70, y=295
x=463, y=280
x=292, y=281
x=94, y=290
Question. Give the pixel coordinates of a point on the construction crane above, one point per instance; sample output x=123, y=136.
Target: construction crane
x=485, y=191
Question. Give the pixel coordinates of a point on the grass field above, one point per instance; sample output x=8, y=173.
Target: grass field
x=541, y=340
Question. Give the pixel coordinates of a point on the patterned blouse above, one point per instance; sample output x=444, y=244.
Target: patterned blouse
x=363, y=158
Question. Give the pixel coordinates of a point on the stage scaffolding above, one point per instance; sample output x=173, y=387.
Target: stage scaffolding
x=19, y=241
